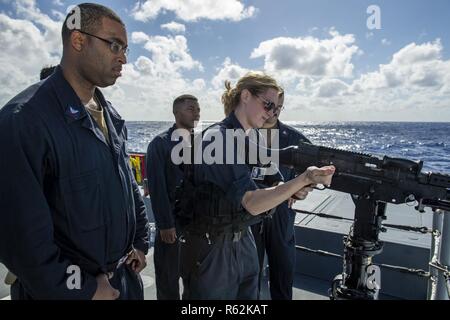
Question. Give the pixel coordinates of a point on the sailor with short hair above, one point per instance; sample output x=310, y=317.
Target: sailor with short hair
x=163, y=179
x=72, y=221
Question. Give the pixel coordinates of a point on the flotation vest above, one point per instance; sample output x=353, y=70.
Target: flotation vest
x=138, y=166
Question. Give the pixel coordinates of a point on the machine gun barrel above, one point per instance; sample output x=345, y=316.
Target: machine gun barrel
x=386, y=179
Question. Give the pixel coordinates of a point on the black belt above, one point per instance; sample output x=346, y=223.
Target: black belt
x=217, y=237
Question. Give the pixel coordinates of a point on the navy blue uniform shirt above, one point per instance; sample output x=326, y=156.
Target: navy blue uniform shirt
x=66, y=196
x=163, y=178
x=233, y=179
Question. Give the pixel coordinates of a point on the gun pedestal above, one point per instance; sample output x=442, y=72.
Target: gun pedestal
x=360, y=279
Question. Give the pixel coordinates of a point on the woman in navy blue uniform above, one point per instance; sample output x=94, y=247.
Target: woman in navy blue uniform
x=218, y=255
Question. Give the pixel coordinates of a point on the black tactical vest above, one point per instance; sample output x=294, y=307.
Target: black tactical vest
x=204, y=208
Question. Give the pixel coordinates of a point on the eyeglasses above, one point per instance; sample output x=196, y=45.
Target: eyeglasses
x=268, y=105
x=115, y=47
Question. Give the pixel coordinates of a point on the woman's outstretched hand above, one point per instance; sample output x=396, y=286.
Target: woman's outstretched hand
x=321, y=175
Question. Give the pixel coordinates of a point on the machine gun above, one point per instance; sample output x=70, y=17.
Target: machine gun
x=372, y=182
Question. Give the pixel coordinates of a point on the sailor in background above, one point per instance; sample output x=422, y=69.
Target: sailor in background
x=275, y=234
x=218, y=255
x=46, y=72
x=70, y=207
x=163, y=179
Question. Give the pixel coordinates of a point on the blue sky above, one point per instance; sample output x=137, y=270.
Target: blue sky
x=333, y=67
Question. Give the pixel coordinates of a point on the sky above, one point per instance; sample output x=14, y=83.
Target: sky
x=337, y=60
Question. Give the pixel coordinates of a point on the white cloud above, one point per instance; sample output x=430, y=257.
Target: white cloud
x=318, y=74
x=28, y=10
x=330, y=88
x=168, y=54
x=147, y=88
x=308, y=56
x=415, y=82
x=58, y=2
x=412, y=67
x=143, y=94
x=29, y=42
x=149, y=84
x=414, y=85
x=138, y=37
x=199, y=84
x=174, y=27
x=228, y=71
x=193, y=10
x=414, y=53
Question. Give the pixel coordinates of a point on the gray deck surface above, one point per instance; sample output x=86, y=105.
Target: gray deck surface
x=314, y=272
x=308, y=287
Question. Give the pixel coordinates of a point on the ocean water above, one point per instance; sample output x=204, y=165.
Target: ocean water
x=429, y=142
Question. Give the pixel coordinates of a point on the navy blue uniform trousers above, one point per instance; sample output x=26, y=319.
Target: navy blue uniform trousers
x=167, y=273
x=221, y=269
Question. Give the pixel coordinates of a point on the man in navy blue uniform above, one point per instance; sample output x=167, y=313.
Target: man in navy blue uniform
x=163, y=178
x=275, y=234
x=73, y=223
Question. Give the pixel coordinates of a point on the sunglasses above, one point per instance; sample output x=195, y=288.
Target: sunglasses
x=268, y=105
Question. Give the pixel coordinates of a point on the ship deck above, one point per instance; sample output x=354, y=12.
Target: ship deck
x=315, y=271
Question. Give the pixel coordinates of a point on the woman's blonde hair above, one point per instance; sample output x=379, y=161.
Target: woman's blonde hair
x=255, y=82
